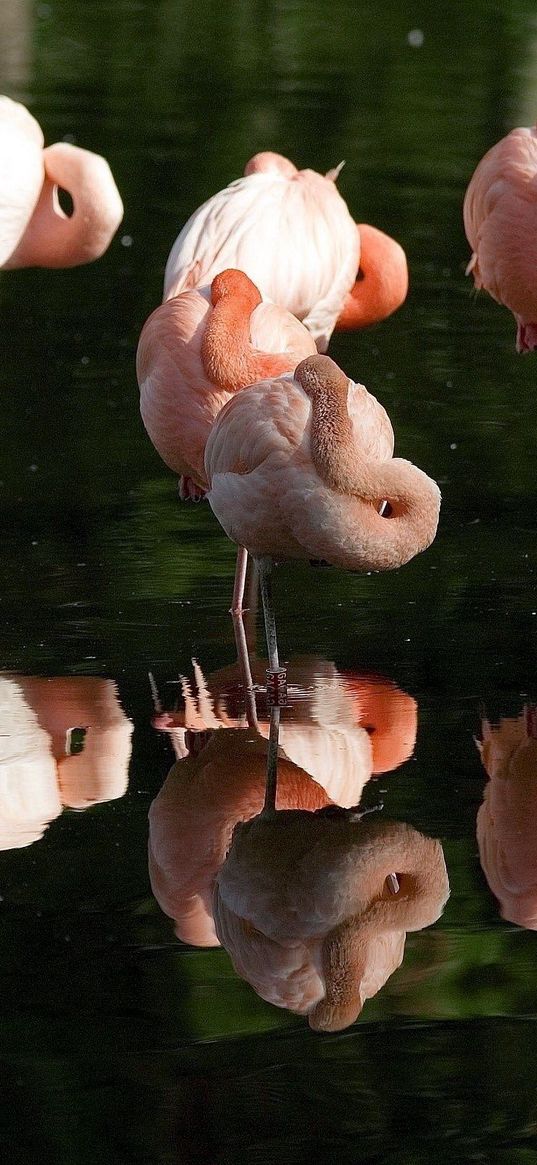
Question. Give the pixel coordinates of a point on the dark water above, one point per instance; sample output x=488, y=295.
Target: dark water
x=119, y=1043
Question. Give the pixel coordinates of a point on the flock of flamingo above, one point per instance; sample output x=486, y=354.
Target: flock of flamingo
x=263, y=853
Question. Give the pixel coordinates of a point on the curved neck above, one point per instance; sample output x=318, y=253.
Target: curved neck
x=229, y=358
x=349, y=951
x=55, y=239
x=414, y=499
x=382, y=282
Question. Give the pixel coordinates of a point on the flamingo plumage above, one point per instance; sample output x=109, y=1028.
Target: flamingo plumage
x=195, y=352
x=34, y=230
x=500, y=219
x=291, y=232
x=300, y=466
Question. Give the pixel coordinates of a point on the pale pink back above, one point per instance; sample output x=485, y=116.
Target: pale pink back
x=22, y=173
x=291, y=233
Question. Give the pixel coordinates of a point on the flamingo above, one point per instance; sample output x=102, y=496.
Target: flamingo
x=195, y=352
x=41, y=772
x=505, y=820
x=300, y=466
x=34, y=230
x=500, y=219
x=291, y=232
x=309, y=908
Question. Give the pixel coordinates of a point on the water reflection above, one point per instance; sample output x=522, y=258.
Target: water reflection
x=342, y=727
x=65, y=742
x=313, y=906
x=506, y=819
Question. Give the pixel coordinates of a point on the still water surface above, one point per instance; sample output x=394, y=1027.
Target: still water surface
x=119, y=1043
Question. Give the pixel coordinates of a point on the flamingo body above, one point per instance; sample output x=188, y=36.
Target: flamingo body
x=288, y=229
x=34, y=230
x=296, y=477
x=500, y=219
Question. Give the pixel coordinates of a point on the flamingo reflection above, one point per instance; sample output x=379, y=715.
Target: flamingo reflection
x=348, y=889
x=64, y=742
x=505, y=820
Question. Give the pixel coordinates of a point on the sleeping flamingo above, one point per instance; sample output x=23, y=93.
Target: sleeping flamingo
x=34, y=230
x=195, y=352
x=314, y=907
x=291, y=232
x=500, y=219
x=299, y=467
x=506, y=819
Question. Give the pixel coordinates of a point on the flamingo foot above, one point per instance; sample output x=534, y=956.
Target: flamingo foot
x=189, y=490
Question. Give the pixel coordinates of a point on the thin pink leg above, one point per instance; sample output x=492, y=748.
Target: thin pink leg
x=240, y=580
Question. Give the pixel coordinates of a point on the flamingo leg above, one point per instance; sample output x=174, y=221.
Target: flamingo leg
x=240, y=580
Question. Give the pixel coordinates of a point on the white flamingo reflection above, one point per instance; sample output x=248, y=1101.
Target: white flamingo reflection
x=342, y=727
x=506, y=819
x=64, y=742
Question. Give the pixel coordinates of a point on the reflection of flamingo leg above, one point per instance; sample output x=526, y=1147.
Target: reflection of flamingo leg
x=246, y=671
x=240, y=579
x=265, y=571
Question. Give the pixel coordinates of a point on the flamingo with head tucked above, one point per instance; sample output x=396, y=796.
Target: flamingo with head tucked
x=500, y=219
x=291, y=232
x=34, y=230
x=293, y=474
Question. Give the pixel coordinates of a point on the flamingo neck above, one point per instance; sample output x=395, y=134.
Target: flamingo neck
x=414, y=499
x=229, y=358
x=55, y=239
x=382, y=282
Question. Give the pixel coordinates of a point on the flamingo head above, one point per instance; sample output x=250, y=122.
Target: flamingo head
x=234, y=283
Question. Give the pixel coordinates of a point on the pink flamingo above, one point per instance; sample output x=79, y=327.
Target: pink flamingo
x=505, y=820
x=34, y=230
x=195, y=353
x=500, y=219
x=291, y=232
x=293, y=475
x=314, y=907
